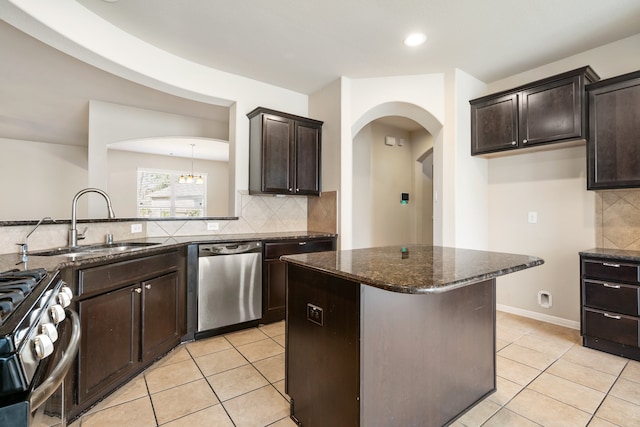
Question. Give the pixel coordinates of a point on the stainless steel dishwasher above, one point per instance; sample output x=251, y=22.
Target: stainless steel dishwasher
x=229, y=285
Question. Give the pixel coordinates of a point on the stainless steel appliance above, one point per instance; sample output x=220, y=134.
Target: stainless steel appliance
x=37, y=346
x=229, y=286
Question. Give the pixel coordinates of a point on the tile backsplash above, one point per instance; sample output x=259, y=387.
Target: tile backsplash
x=256, y=214
x=618, y=219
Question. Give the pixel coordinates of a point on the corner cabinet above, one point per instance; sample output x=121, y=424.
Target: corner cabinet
x=610, y=295
x=613, y=155
x=274, y=271
x=547, y=111
x=131, y=312
x=284, y=153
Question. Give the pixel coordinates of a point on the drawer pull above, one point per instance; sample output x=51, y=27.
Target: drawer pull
x=302, y=243
x=611, y=316
x=608, y=264
x=606, y=285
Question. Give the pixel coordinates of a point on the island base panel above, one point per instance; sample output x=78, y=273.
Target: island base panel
x=359, y=355
x=426, y=359
x=322, y=370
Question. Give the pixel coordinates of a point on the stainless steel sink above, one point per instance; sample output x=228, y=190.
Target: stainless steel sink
x=107, y=248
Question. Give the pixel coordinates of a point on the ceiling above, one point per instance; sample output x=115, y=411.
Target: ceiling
x=304, y=45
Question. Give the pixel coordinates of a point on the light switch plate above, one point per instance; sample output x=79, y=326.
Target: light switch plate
x=212, y=226
x=533, y=217
x=136, y=228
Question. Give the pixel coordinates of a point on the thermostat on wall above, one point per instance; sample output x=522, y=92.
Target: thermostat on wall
x=389, y=140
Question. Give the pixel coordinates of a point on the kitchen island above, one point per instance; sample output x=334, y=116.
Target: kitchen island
x=392, y=336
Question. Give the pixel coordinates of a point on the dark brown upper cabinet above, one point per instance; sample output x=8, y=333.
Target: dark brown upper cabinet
x=613, y=154
x=284, y=153
x=547, y=111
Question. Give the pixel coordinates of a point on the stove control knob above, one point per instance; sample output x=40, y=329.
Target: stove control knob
x=67, y=290
x=63, y=299
x=57, y=313
x=49, y=329
x=42, y=346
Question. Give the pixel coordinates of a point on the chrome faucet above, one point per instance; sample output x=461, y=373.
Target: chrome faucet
x=73, y=232
x=24, y=247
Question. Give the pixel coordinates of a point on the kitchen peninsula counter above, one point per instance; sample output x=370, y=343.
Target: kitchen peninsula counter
x=392, y=336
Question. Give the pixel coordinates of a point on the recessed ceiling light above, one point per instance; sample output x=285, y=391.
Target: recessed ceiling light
x=415, y=39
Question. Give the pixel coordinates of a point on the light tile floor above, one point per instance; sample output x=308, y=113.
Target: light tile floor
x=545, y=378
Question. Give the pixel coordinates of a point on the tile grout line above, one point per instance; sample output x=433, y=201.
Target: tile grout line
x=209, y=384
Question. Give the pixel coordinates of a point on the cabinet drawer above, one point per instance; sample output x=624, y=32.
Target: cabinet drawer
x=610, y=270
x=610, y=326
x=614, y=297
x=111, y=276
x=275, y=250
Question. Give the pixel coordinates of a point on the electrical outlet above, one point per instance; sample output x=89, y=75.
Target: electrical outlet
x=212, y=226
x=533, y=217
x=136, y=228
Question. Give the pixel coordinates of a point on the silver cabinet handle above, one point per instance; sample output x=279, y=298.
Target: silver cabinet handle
x=290, y=189
x=606, y=285
x=138, y=290
x=611, y=316
x=608, y=264
x=524, y=141
x=147, y=286
x=513, y=143
x=302, y=243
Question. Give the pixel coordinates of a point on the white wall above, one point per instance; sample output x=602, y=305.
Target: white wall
x=422, y=198
x=553, y=184
x=362, y=226
x=122, y=174
x=26, y=165
x=71, y=28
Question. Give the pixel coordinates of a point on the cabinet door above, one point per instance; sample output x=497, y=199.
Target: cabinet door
x=322, y=349
x=494, y=124
x=274, y=291
x=551, y=112
x=613, y=154
x=163, y=315
x=277, y=154
x=307, y=163
x=109, y=349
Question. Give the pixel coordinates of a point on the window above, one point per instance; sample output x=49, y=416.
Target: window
x=160, y=195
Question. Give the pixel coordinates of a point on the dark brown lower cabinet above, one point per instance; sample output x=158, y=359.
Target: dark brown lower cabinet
x=131, y=313
x=610, y=294
x=273, y=281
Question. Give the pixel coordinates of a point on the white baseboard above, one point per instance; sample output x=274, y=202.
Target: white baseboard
x=539, y=316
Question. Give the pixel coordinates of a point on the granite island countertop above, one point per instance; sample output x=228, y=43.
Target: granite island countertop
x=415, y=269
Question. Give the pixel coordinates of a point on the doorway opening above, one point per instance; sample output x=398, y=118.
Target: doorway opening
x=392, y=183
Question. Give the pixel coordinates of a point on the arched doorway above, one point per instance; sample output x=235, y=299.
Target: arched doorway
x=392, y=183
x=398, y=109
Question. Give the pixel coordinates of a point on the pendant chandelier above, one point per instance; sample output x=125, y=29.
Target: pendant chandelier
x=190, y=179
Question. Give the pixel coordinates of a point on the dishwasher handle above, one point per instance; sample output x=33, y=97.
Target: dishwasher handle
x=228, y=248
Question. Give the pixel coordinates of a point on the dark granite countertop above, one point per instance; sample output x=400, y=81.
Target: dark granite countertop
x=415, y=269
x=53, y=263
x=613, y=254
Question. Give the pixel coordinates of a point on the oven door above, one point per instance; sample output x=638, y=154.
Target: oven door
x=47, y=398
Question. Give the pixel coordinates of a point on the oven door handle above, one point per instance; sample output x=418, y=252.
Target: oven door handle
x=49, y=385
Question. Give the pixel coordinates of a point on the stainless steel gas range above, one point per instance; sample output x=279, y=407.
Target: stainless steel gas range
x=39, y=339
